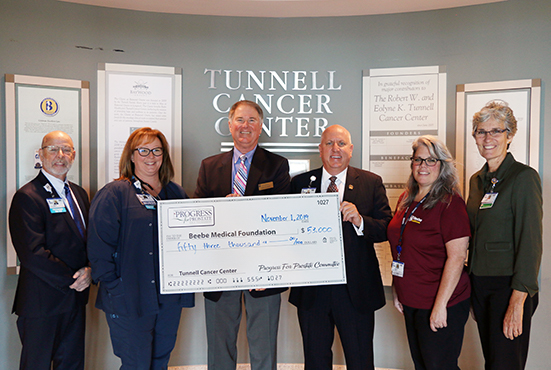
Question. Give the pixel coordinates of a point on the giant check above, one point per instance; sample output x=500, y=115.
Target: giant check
x=250, y=242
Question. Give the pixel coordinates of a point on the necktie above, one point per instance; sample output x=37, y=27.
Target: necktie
x=332, y=188
x=240, y=180
x=74, y=211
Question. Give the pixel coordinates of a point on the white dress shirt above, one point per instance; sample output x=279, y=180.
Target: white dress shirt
x=340, y=182
x=59, y=187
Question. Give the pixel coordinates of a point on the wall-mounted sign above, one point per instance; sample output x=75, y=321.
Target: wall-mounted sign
x=523, y=97
x=296, y=104
x=34, y=107
x=134, y=96
x=399, y=105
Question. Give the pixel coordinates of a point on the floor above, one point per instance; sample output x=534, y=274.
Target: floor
x=247, y=367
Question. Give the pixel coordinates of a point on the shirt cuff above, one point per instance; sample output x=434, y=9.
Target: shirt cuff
x=360, y=229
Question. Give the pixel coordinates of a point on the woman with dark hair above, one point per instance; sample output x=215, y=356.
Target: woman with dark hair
x=429, y=234
x=123, y=252
x=505, y=210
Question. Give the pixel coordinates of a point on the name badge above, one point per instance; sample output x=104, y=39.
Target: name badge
x=415, y=220
x=266, y=186
x=488, y=200
x=56, y=205
x=147, y=201
x=308, y=190
x=397, y=269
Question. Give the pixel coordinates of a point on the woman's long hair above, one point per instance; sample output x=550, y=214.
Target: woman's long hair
x=447, y=183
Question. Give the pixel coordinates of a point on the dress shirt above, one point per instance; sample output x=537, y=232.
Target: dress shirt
x=59, y=187
x=341, y=182
x=237, y=161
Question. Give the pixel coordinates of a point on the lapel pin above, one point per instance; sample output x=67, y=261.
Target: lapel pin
x=350, y=186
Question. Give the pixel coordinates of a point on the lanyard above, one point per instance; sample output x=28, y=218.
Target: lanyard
x=146, y=199
x=138, y=184
x=404, y=222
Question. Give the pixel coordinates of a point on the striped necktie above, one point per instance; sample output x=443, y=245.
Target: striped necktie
x=75, y=212
x=332, y=188
x=240, y=180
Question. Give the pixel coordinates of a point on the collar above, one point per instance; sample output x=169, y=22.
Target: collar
x=341, y=177
x=57, y=184
x=249, y=155
x=501, y=171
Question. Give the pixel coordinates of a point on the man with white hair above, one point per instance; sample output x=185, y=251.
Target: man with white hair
x=47, y=222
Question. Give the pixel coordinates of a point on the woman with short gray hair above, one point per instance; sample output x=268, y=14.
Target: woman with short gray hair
x=505, y=211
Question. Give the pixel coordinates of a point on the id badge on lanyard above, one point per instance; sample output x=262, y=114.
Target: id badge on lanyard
x=490, y=197
x=398, y=266
x=488, y=200
x=56, y=205
x=309, y=189
x=147, y=201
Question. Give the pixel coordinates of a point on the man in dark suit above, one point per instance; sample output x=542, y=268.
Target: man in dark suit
x=351, y=306
x=245, y=170
x=47, y=221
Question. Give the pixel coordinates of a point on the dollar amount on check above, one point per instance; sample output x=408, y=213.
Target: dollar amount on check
x=250, y=242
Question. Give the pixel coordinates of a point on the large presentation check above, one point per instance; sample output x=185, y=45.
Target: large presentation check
x=250, y=242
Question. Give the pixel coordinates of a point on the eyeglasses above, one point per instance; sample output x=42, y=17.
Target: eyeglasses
x=431, y=162
x=54, y=149
x=250, y=121
x=493, y=133
x=144, y=152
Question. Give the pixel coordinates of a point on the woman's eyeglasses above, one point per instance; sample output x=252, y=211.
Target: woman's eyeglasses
x=144, y=152
x=431, y=162
x=480, y=134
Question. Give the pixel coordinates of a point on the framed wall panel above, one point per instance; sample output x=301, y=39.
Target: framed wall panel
x=523, y=97
x=133, y=96
x=399, y=105
x=34, y=107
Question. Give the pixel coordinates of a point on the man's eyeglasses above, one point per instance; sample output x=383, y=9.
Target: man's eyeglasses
x=431, y=162
x=54, y=149
x=144, y=152
x=250, y=121
x=493, y=133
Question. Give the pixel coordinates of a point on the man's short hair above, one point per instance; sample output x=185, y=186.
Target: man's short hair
x=250, y=104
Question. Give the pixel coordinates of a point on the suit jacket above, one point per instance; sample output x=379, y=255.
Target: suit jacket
x=367, y=192
x=50, y=250
x=507, y=238
x=269, y=174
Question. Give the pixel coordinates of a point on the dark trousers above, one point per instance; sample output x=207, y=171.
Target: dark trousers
x=490, y=299
x=436, y=350
x=145, y=343
x=53, y=342
x=333, y=307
